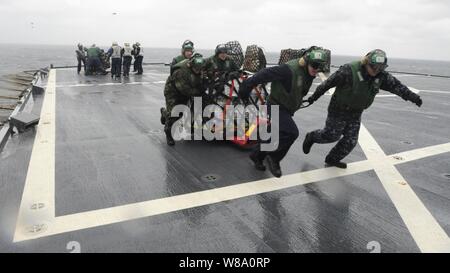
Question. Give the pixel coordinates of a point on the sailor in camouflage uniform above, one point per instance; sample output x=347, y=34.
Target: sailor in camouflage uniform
x=221, y=64
x=187, y=50
x=357, y=84
x=184, y=83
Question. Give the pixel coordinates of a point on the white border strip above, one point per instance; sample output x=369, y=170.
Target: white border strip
x=37, y=208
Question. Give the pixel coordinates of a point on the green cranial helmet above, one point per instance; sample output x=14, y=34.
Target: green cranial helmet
x=197, y=62
x=188, y=45
x=377, y=59
x=317, y=58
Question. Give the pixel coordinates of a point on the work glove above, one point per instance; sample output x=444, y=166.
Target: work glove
x=244, y=91
x=219, y=87
x=246, y=101
x=234, y=75
x=418, y=101
x=311, y=100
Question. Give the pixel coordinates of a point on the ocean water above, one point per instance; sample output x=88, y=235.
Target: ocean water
x=17, y=58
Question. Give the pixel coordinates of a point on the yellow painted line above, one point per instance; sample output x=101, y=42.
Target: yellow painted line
x=426, y=231
x=251, y=130
x=37, y=208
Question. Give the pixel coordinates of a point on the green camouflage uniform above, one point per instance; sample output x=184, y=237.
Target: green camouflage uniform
x=215, y=67
x=175, y=61
x=180, y=86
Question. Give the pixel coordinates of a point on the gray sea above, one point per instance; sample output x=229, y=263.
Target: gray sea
x=17, y=58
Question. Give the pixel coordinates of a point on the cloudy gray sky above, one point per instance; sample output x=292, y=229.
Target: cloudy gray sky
x=408, y=29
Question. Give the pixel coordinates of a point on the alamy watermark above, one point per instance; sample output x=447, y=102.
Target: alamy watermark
x=213, y=122
x=73, y=247
x=374, y=247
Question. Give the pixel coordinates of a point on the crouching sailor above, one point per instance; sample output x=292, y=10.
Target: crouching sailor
x=185, y=82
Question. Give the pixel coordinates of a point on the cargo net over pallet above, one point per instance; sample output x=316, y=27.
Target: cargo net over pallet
x=254, y=60
x=290, y=54
x=235, y=52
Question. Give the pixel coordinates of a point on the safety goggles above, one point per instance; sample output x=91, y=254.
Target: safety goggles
x=316, y=65
x=378, y=67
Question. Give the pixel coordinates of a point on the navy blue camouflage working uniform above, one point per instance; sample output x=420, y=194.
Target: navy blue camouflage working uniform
x=343, y=120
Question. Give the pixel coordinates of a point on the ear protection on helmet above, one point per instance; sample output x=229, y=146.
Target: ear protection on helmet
x=302, y=62
x=365, y=59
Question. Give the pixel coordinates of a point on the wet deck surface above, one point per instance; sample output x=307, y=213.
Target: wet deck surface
x=110, y=152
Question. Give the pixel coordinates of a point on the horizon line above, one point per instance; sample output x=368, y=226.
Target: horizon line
x=211, y=49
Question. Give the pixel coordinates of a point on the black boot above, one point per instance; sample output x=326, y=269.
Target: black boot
x=169, y=138
x=274, y=167
x=259, y=164
x=337, y=164
x=308, y=143
x=163, y=115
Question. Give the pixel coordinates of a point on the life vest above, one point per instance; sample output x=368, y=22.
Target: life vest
x=179, y=59
x=141, y=51
x=221, y=66
x=179, y=65
x=127, y=51
x=93, y=52
x=116, y=52
x=301, y=83
x=176, y=61
x=361, y=94
x=81, y=54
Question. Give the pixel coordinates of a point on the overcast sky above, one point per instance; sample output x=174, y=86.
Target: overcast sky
x=408, y=29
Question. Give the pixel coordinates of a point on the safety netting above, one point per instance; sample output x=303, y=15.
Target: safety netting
x=255, y=59
x=235, y=52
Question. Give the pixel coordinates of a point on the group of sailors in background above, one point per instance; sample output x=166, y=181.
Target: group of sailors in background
x=95, y=60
